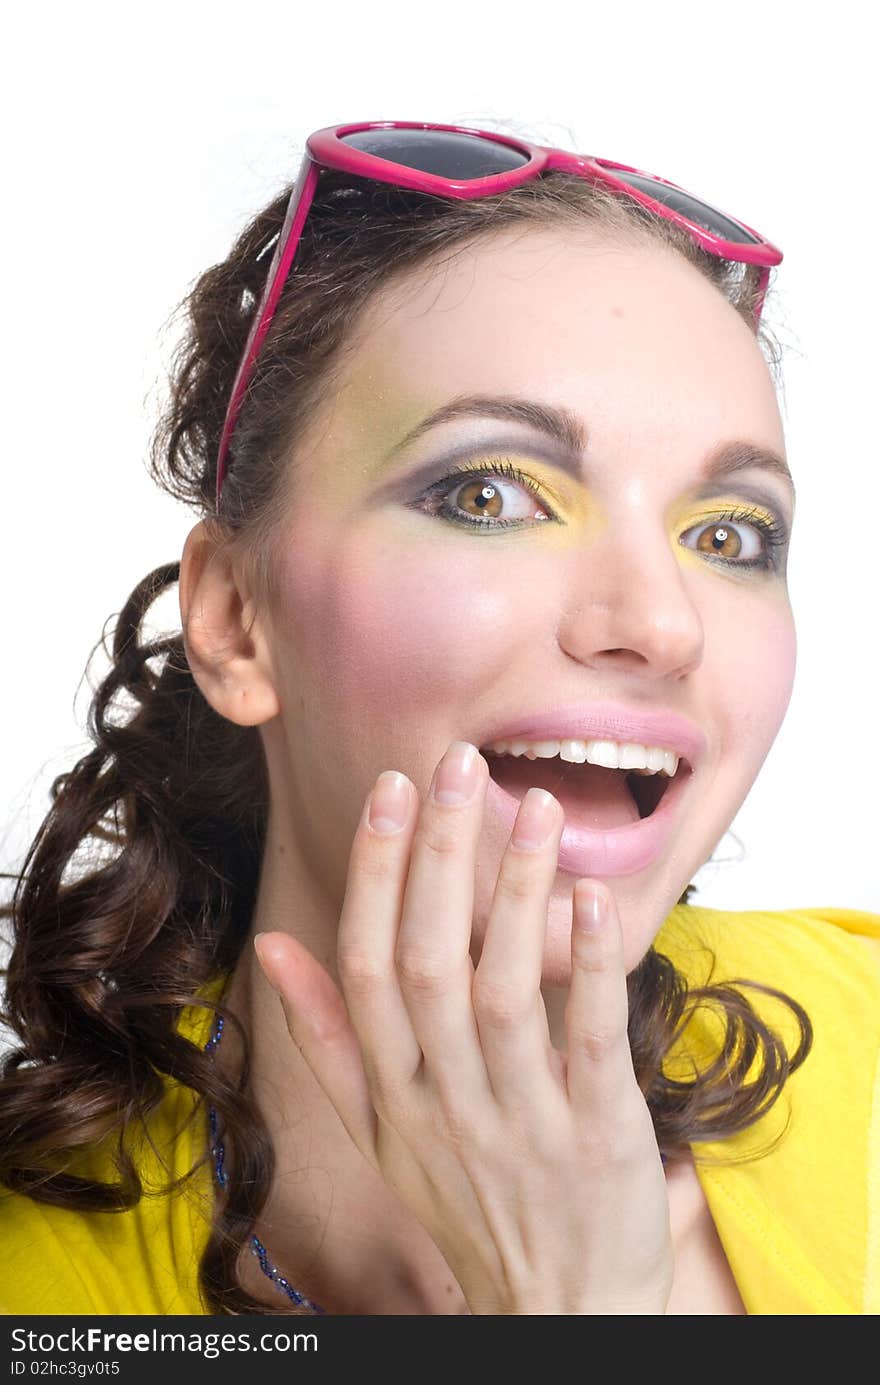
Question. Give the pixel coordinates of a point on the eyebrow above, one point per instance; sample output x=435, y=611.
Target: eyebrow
x=569, y=438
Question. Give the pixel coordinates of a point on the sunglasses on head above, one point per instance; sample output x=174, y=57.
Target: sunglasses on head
x=456, y=161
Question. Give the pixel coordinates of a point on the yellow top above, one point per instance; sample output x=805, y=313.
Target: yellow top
x=800, y=1226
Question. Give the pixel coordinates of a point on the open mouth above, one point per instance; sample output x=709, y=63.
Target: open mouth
x=591, y=795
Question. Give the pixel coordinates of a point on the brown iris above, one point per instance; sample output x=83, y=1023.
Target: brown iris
x=720, y=538
x=482, y=493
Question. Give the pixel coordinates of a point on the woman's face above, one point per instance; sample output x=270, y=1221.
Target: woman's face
x=400, y=626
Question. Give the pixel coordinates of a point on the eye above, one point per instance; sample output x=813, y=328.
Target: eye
x=739, y=538
x=493, y=496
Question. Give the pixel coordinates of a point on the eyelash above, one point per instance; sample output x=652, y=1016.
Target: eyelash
x=773, y=533
x=462, y=474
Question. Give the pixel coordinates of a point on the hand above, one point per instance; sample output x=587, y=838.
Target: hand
x=536, y=1173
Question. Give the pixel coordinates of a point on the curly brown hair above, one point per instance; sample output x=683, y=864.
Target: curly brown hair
x=140, y=883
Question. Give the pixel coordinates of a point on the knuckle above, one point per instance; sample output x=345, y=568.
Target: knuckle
x=516, y=883
x=359, y=972
x=602, y=953
x=599, y=960
x=372, y=860
x=439, y=836
x=500, y=1004
x=423, y=973
x=597, y=1044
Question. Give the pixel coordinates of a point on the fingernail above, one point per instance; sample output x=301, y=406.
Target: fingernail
x=591, y=908
x=389, y=802
x=535, y=819
x=457, y=774
x=262, y=961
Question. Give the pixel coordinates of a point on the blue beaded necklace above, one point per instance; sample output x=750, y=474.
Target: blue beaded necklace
x=257, y=1247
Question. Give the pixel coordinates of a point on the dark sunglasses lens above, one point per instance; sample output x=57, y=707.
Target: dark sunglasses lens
x=442, y=152
x=691, y=207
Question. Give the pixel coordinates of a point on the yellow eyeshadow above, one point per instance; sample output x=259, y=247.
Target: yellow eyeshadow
x=567, y=500
x=572, y=503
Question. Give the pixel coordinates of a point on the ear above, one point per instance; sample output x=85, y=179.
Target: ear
x=222, y=634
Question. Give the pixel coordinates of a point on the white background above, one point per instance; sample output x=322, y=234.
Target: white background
x=139, y=141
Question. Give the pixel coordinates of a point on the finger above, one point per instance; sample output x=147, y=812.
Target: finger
x=367, y=935
x=319, y=1025
x=433, y=945
x=508, y=1004
x=599, y=1068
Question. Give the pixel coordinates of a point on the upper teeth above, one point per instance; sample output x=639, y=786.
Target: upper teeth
x=612, y=754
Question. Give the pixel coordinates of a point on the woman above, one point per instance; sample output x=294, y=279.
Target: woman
x=485, y=636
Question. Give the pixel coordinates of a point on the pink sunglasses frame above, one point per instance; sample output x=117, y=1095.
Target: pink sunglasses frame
x=325, y=149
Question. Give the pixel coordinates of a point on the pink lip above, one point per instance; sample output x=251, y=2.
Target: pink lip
x=619, y=851
x=613, y=721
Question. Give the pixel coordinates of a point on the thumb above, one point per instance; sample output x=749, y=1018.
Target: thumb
x=318, y=1023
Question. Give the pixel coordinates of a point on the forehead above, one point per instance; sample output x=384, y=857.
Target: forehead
x=630, y=336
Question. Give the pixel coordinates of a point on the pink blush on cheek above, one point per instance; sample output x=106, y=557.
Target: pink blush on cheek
x=386, y=630
x=778, y=660
x=760, y=679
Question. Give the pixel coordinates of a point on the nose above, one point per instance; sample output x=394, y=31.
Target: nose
x=631, y=608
